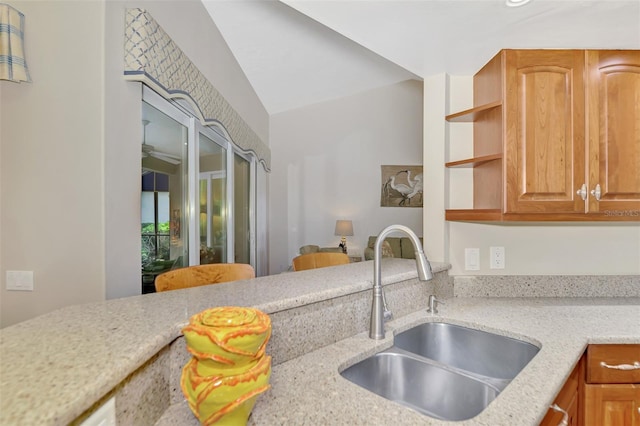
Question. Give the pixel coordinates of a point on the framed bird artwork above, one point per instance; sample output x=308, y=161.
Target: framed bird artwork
x=401, y=186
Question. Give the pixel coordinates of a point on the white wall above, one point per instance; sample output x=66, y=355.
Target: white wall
x=326, y=166
x=70, y=154
x=531, y=249
x=570, y=249
x=51, y=139
x=436, y=241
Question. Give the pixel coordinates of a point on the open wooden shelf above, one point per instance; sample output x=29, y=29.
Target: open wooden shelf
x=473, y=162
x=474, y=215
x=471, y=115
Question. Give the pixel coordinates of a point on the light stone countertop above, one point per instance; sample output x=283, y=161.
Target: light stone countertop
x=309, y=390
x=55, y=366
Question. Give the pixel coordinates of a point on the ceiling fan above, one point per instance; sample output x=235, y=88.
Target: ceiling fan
x=150, y=151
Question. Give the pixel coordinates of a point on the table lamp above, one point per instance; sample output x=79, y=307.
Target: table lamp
x=344, y=228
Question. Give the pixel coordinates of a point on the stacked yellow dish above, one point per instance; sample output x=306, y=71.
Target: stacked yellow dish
x=229, y=368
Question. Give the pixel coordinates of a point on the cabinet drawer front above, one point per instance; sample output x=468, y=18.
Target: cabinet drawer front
x=601, y=360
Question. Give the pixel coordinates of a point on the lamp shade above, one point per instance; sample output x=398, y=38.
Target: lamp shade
x=344, y=228
x=13, y=66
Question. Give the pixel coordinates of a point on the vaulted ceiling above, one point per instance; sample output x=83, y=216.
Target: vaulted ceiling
x=301, y=52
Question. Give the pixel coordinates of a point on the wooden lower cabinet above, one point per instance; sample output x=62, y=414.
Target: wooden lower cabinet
x=612, y=405
x=602, y=390
x=569, y=399
x=612, y=386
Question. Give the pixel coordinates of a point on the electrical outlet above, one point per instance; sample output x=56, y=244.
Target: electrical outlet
x=472, y=259
x=20, y=280
x=497, y=257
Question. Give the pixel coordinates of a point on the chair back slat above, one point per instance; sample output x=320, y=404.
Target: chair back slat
x=319, y=260
x=193, y=276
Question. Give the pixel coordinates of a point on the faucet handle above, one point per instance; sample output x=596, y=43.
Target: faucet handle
x=387, y=315
x=433, y=304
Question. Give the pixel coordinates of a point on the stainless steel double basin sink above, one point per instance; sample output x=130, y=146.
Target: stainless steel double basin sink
x=443, y=370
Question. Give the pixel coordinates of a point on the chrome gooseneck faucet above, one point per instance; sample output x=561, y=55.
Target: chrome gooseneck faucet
x=379, y=310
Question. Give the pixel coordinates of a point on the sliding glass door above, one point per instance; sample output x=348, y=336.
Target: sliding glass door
x=198, y=192
x=213, y=204
x=242, y=209
x=163, y=200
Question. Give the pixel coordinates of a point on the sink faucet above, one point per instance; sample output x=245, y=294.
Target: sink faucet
x=379, y=310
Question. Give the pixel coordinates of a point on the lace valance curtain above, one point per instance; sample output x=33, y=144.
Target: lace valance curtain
x=152, y=58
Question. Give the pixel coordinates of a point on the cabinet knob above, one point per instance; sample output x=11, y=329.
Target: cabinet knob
x=596, y=192
x=582, y=192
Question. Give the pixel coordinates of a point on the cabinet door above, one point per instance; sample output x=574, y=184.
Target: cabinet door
x=614, y=131
x=569, y=399
x=555, y=418
x=612, y=405
x=544, y=131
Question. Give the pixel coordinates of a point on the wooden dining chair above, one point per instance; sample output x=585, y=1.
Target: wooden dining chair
x=319, y=260
x=193, y=276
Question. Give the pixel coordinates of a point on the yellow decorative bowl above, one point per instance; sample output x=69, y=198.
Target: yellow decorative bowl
x=224, y=400
x=230, y=336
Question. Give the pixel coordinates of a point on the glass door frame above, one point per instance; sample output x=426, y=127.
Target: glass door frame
x=221, y=140
x=182, y=112
x=209, y=177
x=252, y=201
x=161, y=104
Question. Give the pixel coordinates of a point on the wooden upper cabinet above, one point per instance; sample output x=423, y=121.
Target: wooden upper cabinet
x=556, y=137
x=544, y=131
x=614, y=132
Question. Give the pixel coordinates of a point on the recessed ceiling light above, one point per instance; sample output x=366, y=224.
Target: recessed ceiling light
x=516, y=3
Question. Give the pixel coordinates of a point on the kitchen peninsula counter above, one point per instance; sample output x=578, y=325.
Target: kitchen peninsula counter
x=80, y=354
x=310, y=391
x=55, y=367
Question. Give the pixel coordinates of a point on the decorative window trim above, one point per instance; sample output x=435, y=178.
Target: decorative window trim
x=152, y=57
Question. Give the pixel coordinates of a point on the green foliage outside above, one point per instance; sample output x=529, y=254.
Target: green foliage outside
x=149, y=251
x=148, y=228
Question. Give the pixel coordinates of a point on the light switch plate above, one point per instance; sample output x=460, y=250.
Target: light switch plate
x=20, y=280
x=472, y=259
